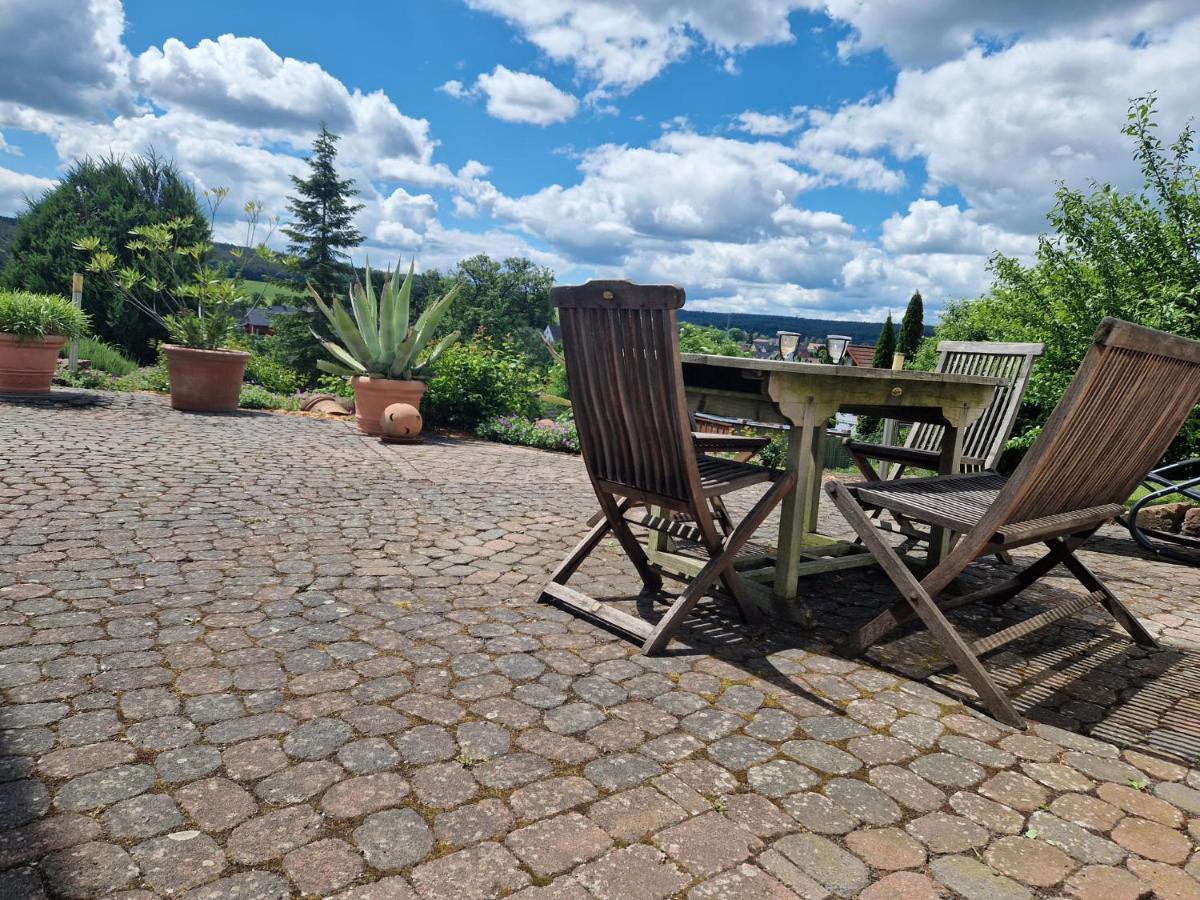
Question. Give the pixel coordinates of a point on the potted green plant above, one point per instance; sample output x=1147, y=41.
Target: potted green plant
x=197, y=303
x=33, y=329
x=379, y=350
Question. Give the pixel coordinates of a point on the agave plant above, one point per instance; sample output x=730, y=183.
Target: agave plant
x=376, y=340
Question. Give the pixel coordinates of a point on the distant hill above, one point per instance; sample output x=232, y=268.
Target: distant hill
x=815, y=329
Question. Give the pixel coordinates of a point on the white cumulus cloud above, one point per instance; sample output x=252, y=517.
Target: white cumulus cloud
x=933, y=31
x=622, y=44
x=17, y=187
x=522, y=97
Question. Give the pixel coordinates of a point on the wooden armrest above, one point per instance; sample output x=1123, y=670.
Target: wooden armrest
x=926, y=459
x=734, y=443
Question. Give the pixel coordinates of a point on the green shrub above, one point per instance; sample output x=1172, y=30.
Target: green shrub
x=338, y=385
x=88, y=379
x=291, y=343
x=255, y=397
x=39, y=315
x=560, y=435
x=478, y=381
x=272, y=375
x=105, y=357
x=774, y=455
x=150, y=378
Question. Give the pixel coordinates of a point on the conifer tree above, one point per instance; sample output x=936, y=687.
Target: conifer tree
x=322, y=226
x=885, y=346
x=912, y=327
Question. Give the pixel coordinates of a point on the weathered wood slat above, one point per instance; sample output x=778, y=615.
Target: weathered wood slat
x=632, y=626
x=984, y=439
x=673, y=527
x=1052, y=526
x=1035, y=623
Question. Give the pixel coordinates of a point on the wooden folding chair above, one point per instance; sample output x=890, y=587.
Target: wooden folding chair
x=622, y=349
x=1131, y=395
x=983, y=440
x=713, y=435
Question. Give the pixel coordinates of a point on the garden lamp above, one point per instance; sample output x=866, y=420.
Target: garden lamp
x=789, y=343
x=835, y=346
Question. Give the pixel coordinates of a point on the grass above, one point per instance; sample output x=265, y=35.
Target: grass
x=1142, y=491
x=105, y=357
x=274, y=294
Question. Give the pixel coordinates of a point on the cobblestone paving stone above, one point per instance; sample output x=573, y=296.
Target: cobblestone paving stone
x=259, y=656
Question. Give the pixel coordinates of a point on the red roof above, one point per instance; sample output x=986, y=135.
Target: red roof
x=861, y=356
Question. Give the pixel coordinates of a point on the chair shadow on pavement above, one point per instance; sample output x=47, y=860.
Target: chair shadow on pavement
x=1082, y=674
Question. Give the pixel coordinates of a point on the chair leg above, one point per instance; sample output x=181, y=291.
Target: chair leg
x=924, y=606
x=613, y=511
x=565, y=569
x=1127, y=620
x=716, y=567
x=721, y=514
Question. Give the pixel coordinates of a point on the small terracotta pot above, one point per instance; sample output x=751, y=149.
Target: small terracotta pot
x=205, y=380
x=373, y=395
x=27, y=364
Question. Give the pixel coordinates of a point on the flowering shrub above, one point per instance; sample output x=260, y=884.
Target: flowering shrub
x=559, y=435
x=476, y=382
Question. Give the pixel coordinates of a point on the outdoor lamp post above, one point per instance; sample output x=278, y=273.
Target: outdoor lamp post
x=789, y=343
x=835, y=346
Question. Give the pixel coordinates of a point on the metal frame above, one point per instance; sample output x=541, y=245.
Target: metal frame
x=1165, y=485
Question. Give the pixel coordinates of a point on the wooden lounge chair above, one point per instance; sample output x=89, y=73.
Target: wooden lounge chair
x=1131, y=395
x=622, y=350
x=983, y=440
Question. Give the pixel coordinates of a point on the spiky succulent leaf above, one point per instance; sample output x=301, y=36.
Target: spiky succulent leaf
x=429, y=320
x=342, y=355
x=325, y=310
x=334, y=369
x=393, y=325
x=348, y=332
x=366, y=310
x=402, y=363
x=427, y=363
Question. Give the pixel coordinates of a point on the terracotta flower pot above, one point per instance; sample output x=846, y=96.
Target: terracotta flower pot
x=205, y=380
x=373, y=395
x=27, y=364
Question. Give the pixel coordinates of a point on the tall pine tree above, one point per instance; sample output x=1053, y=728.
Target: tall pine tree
x=912, y=327
x=885, y=346
x=322, y=226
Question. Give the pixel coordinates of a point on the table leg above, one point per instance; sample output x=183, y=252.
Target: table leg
x=948, y=464
x=797, y=517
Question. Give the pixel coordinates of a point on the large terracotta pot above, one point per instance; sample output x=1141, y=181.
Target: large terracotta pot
x=27, y=364
x=205, y=380
x=373, y=395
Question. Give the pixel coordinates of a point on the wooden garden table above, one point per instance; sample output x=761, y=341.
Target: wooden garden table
x=803, y=396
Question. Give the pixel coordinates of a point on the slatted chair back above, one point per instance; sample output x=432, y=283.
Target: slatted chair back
x=622, y=351
x=984, y=440
x=1133, y=392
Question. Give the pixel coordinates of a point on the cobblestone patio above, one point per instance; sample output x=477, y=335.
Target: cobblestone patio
x=258, y=656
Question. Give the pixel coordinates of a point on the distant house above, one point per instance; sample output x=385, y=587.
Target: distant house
x=860, y=355
x=552, y=334
x=258, y=320
x=764, y=347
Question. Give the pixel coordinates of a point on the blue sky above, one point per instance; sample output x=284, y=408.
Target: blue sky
x=818, y=158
